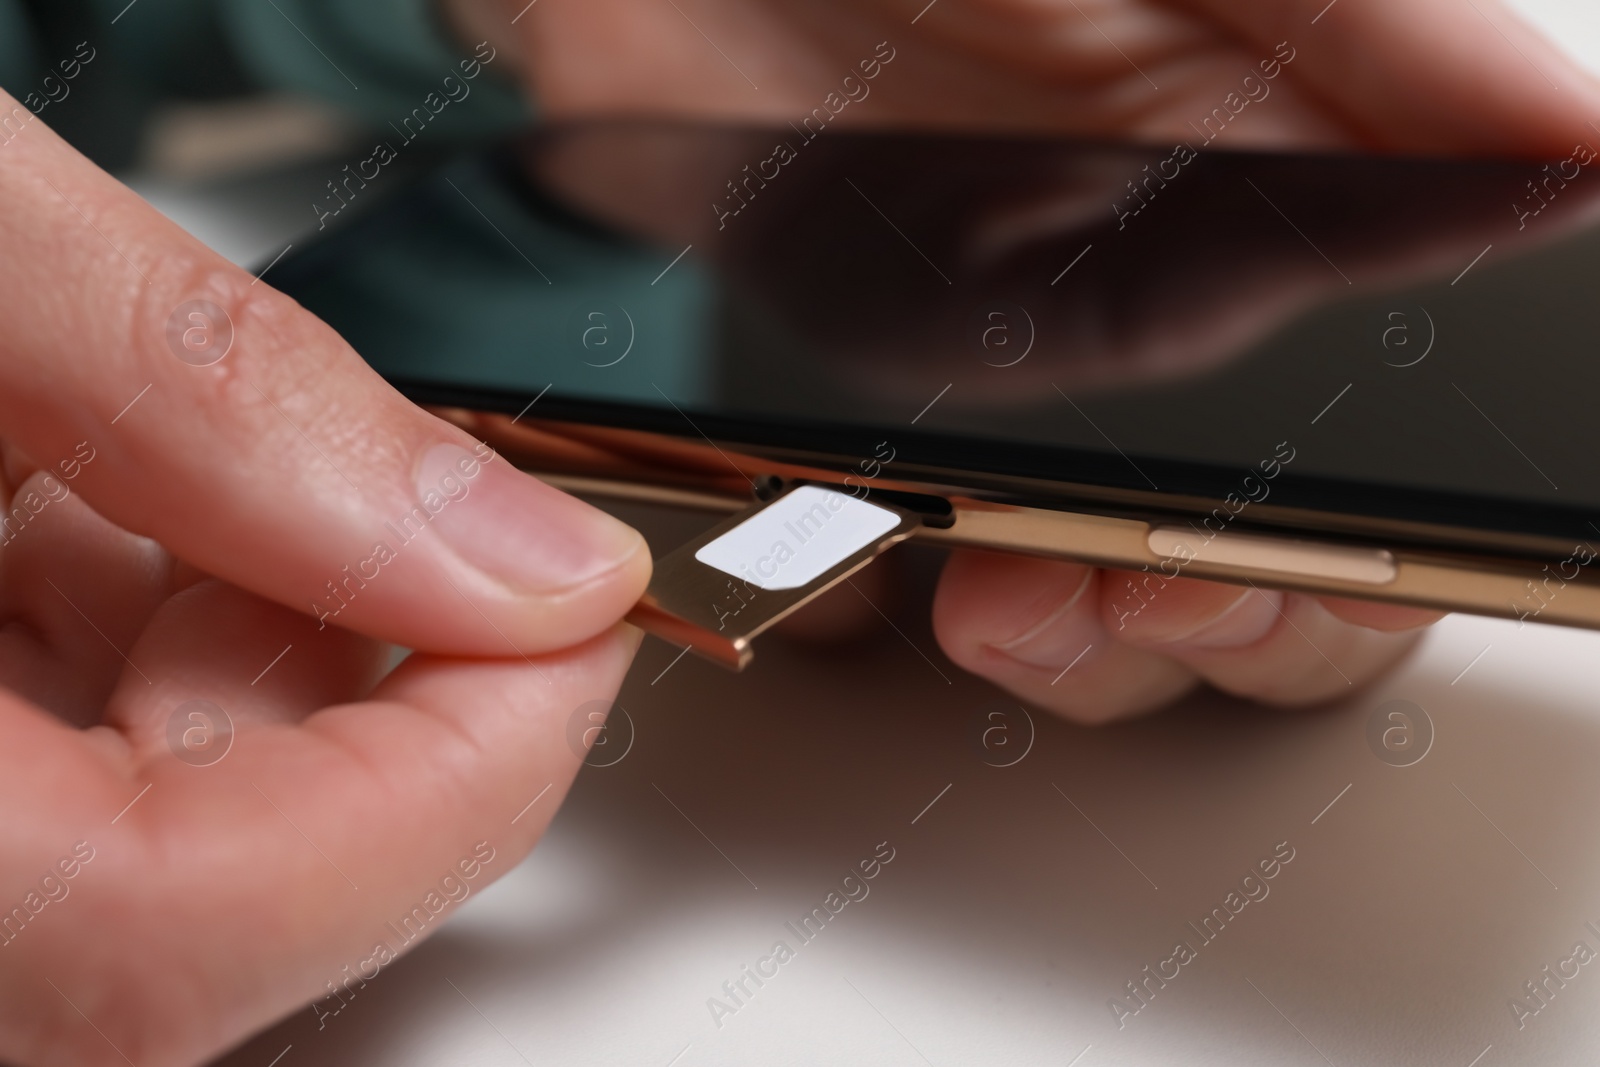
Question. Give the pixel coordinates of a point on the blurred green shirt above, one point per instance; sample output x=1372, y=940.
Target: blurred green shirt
x=375, y=59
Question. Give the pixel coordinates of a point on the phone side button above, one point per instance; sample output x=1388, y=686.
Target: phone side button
x=1373, y=566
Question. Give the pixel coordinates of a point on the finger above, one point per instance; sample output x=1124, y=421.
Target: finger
x=75, y=592
x=1427, y=75
x=258, y=661
x=493, y=735
x=447, y=753
x=1279, y=648
x=1034, y=627
x=1376, y=616
x=15, y=468
x=286, y=466
x=356, y=833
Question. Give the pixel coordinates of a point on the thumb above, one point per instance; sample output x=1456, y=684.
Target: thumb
x=193, y=405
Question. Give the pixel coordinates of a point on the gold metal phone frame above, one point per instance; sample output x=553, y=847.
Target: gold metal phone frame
x=1439, y=567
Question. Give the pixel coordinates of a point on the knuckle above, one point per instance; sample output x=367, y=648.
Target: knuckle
x=197, y=310
x=207, y=327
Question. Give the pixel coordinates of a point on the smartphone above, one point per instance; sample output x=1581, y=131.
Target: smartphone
x=1354, y=376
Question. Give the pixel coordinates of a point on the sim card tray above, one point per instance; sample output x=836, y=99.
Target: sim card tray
x=716, y=593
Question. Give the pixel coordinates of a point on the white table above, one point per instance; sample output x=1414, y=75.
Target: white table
x=1026, y=896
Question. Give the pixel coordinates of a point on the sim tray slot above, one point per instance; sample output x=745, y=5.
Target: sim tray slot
x=719, y=591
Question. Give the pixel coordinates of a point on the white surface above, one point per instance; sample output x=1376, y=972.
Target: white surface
x=798, y=538
x=1006, y=921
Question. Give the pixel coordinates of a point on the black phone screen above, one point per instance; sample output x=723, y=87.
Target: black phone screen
x=1403, y=339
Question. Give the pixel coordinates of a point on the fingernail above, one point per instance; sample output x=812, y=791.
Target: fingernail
x=514, y=527
x=1242, y=623
x=1056, y=635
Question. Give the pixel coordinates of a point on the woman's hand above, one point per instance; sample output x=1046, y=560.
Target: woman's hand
x=213, y=512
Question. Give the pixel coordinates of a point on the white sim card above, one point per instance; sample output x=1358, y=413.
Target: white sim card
x=798, y=538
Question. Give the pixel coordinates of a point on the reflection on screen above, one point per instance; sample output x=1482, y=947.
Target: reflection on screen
x=1002, y=305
